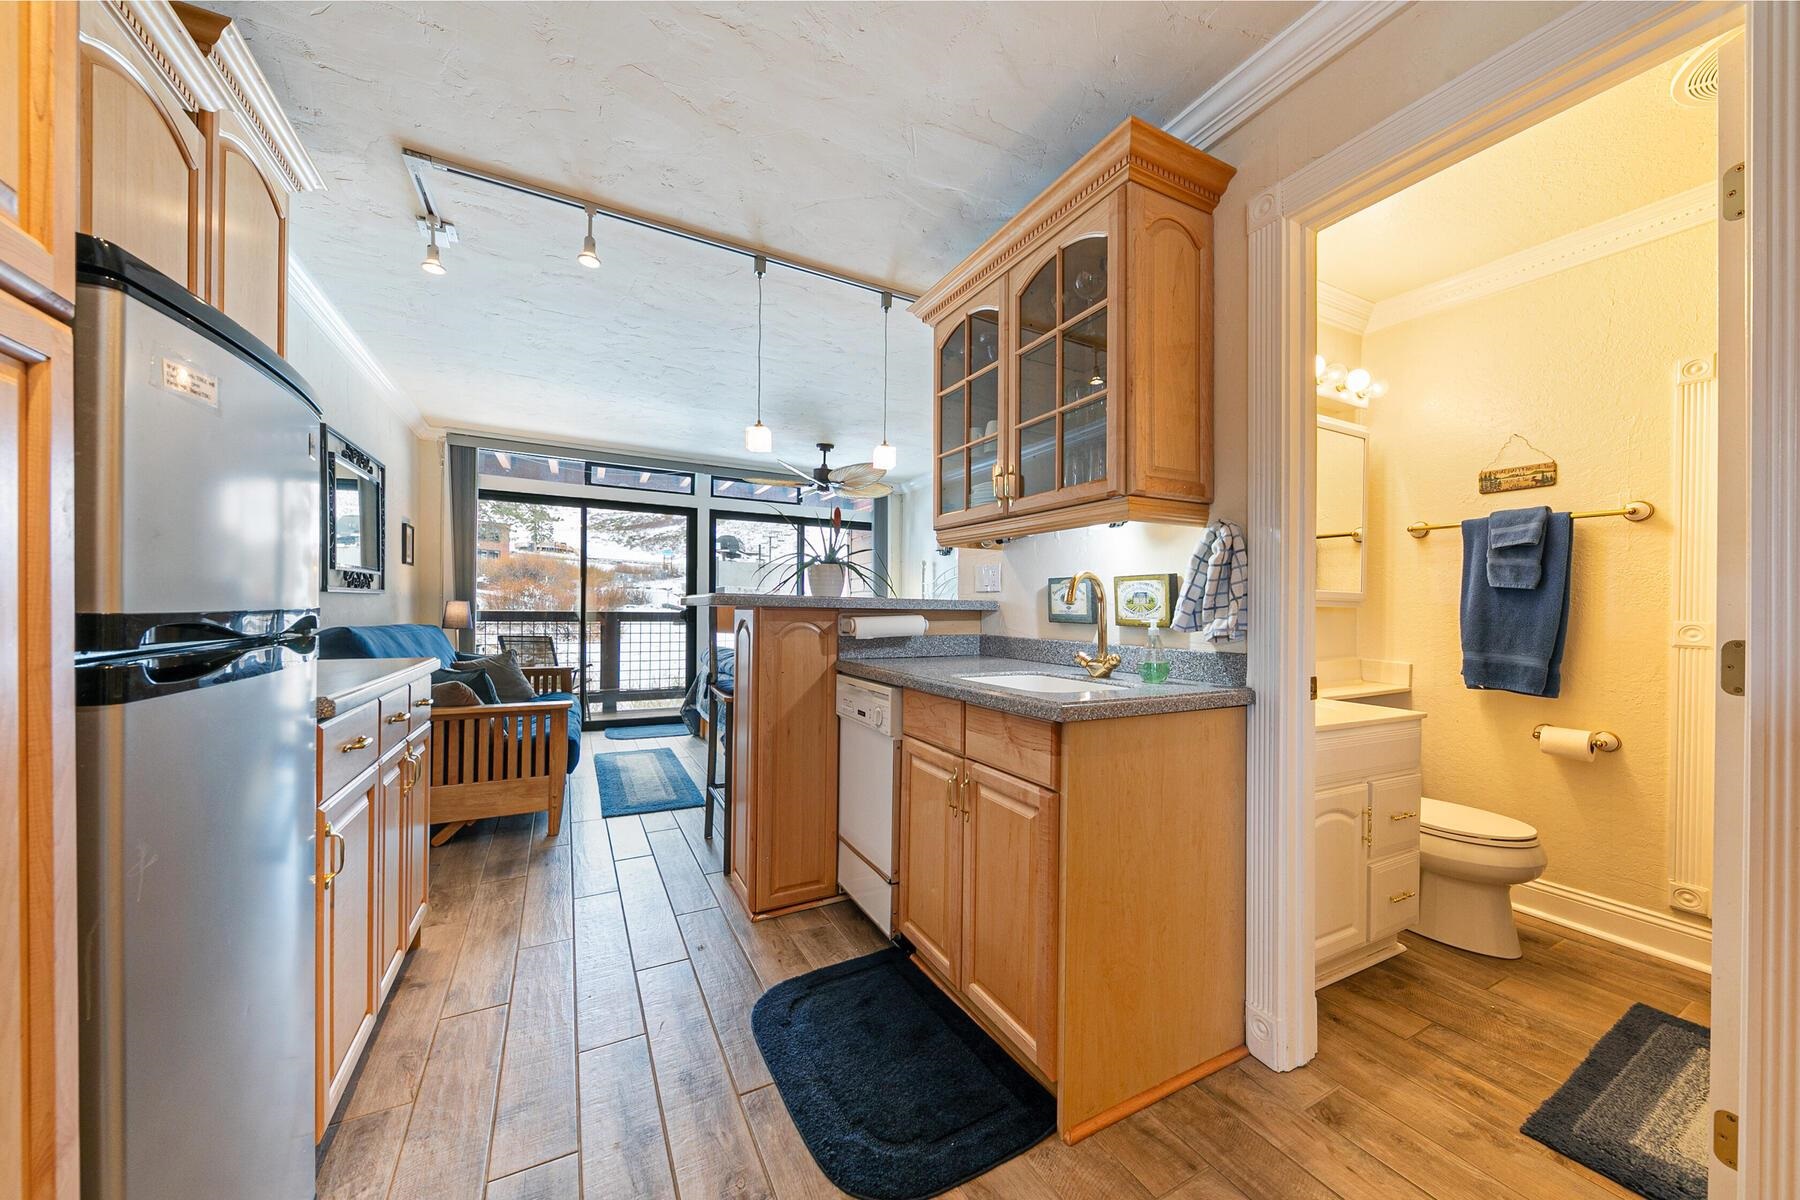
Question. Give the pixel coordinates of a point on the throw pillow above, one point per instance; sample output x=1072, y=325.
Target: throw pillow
x=454, y=694
x=503, y=668
x=477, y=681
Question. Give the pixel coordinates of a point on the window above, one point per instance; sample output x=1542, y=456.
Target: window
x=546, y=468
x=753, y=553
x=640, y=478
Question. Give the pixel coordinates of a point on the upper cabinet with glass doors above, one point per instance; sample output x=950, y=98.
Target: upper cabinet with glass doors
x=1074, y=351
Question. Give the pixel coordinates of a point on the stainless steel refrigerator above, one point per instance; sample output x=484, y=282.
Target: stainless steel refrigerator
x=197, y=580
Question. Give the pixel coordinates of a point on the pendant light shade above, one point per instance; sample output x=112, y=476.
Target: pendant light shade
x=590, y=254
x=884, y=457
x=433, y=265
x=759, y=438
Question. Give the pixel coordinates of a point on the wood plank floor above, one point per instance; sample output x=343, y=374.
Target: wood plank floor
x=576, y=1026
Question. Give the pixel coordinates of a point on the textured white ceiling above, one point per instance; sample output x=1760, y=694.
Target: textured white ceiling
x=884, y=139
x=1627, y=147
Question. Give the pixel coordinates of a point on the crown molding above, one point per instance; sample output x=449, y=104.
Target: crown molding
x=1659, y=219
x=159, y=33
x=304, y=291
x=1320, y=34
x=253, y=100
x=1343, y=310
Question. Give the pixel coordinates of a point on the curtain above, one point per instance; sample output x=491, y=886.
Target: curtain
x=462, y=535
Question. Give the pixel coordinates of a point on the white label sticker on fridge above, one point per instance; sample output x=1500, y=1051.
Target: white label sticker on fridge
x=179, y=377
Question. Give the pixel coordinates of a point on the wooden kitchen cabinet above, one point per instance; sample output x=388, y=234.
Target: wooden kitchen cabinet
x=390, y=925
x=345, y=938
x=187, y=161
x=931, y=838
x=1074, y=351
x=38, y=181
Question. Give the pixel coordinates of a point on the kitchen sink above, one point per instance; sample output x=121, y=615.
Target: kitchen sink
x=1053, y=685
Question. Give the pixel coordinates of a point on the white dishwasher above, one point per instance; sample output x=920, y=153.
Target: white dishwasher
x=868, y=795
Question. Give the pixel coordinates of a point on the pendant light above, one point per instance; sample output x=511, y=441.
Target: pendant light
x=759, y=438
x=433, y=265
x=590, y=254
x=884, y=456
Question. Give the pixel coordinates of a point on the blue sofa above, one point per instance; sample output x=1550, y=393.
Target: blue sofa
x=426, y=641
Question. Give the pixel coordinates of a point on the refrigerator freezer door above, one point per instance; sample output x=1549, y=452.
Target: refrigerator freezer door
x=195, y=838
x=197, y=473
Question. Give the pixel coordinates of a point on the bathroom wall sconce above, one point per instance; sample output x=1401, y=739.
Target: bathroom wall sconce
x=1347, y=385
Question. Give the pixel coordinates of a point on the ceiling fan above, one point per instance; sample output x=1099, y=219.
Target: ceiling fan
x=858, y=481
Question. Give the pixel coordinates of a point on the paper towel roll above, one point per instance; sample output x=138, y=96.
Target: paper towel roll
x=1566, y=743
x=881, y=627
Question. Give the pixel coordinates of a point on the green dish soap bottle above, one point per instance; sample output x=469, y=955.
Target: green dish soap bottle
x=1155, y=667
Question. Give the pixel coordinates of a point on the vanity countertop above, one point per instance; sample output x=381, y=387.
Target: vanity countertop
x=886, y=604
x=1341, y=714
x=1121, y=696
x=344, y=683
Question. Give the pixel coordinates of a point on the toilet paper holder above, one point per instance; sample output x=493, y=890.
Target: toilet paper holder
x=1598, y=740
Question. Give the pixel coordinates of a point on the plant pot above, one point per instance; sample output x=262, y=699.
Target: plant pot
x=825, y=579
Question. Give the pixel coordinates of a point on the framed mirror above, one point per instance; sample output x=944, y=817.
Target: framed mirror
x=1343, y=459
x=355, y=508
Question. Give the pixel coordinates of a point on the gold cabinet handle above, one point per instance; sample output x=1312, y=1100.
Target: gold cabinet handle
x=1405, y=816
x=1368, y=827
x=965, y=796
x=425, y=703
x=335, y=842
x=361, y=742
x=1397, y=897
x=418, y=762
x=399, y=718
x=955, y=784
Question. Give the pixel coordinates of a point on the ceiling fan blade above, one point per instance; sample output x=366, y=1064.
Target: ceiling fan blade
x=868, y=491
x=801, y=472
x=857, y=474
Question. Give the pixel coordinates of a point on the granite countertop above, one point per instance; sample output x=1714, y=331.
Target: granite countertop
x=1121, y=696
x=344, y=683
x=888, y=604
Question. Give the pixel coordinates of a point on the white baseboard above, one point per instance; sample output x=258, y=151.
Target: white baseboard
x=1687, y=942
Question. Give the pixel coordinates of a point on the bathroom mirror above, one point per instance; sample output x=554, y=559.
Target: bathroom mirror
x=355, y=504
x=1343, y=457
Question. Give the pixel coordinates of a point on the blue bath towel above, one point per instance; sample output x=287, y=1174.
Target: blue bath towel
x=1515, y=547
x=1512, y=638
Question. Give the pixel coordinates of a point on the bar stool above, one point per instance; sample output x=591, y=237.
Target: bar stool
x=719, y=729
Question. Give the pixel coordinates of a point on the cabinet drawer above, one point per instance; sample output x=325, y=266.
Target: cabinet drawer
x=421, y=700
x=348, y=745
x=1017, y=745
x=1394, y=800
x=396, y=717
x=1343, y=755
x=1393, y=895
x=933, y=719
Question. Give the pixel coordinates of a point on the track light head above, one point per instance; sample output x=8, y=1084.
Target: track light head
x=590, y=254
x=433, y=265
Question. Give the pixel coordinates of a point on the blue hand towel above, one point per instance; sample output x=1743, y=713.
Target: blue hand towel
x=1512, y=638
x=1515, y=547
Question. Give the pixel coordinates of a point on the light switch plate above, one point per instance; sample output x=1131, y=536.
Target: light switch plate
x=987, y=577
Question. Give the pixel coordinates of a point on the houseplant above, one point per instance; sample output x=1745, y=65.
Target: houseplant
x=827, y=568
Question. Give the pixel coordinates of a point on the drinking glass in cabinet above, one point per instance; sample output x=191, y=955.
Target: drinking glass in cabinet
x=1084, y=443
x=1084, y=275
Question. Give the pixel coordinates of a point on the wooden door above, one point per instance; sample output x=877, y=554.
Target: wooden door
x=1064, y=446
x=416, y=831
x=1009, y=908
x=390, y=832
x=347, y=871
x=38, y=1005
x=37, y=143
x=970, y=419
x=1341, y=895
x=931, y=837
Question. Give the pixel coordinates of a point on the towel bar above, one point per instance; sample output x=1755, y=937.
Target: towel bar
x=1636, y=510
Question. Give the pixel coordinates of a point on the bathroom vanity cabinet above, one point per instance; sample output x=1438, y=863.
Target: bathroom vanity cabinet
x=1074, y=351
x=1365, y=834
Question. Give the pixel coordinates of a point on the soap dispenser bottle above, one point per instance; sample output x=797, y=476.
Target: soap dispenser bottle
x=1155, y=667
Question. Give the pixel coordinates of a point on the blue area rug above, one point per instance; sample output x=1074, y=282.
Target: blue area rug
x=895, y=1091
x=1636, y=1109
x=643, y=781
x=631, y=733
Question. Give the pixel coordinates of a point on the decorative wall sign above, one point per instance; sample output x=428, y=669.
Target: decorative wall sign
x=407, y=547
x=1145, y=600
x=1085, y=610
x=1538, y=472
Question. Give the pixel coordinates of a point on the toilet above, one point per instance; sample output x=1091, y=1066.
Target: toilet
x=1469, y=860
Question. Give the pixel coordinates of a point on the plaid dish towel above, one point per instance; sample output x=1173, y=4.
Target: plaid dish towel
x=1216, y=601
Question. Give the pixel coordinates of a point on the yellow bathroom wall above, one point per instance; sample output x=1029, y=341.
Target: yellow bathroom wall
x=1335, y=625
x=1583, y=364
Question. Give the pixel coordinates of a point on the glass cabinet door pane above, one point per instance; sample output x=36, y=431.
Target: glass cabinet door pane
x=1037, y=380
x=1084, y=276
x=950, y=358
x=984, y=405
x=982, y=456
x=1037, y=305
x=1084, y=358
x=1084, y=443
x=1037, y=458
x=952, y=482
x=984, y=339
x=952, y=428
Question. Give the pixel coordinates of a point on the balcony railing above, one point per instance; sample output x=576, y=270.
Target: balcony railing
x=634, y=660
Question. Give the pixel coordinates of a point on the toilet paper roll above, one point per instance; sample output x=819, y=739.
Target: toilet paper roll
x=1566, y=743
x=881, y=627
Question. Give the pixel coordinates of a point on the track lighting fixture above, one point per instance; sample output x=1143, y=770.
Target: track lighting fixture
x=884, y=456
x=759, y=438
x=590, y=255
x=433, y=265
